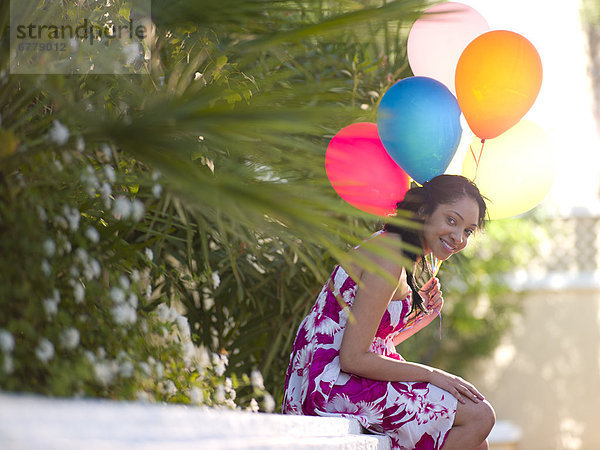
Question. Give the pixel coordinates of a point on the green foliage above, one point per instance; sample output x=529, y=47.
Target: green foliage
x=80, y=315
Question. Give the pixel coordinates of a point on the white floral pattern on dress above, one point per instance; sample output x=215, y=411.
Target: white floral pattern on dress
x=413, y=415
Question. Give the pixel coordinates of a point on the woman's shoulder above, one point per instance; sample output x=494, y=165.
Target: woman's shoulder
x=383, y=249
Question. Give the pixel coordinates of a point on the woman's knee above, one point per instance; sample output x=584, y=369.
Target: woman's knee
x=479, y=414
x=487, y=415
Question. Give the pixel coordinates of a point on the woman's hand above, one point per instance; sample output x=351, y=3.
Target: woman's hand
x=431, y=293
x=456, y=386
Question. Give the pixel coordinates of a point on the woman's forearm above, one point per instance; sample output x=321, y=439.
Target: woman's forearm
x=378, y=367
x=422, y=323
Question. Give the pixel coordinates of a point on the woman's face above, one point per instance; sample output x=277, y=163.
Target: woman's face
x=447, y=230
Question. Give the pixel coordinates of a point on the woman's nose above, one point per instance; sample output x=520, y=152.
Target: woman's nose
x=457, y=237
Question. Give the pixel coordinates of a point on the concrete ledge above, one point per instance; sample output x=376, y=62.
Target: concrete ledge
x=32, y=422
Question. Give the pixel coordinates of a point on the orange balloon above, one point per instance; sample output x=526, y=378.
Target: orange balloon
x=498, y=78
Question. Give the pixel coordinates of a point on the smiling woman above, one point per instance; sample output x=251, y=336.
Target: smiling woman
x=350, y=367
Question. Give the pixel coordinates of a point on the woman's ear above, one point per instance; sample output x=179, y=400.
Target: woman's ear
x=422, y=212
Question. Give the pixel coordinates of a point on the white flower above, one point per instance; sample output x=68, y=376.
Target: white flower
x=50, y=306
x=149, y=254
x=49, y=247
x=8, y=365
x=126, y=369
x=203, y=358
x=66, y=246
x=81, y=255
x=196, y=396
x=189, y=352
x=219, y=363
x=256, y=379
x=132, y=300
x=123, y=314
x=92, y=234
x=253, y=406
x=41, y=212
x=145, y=367
x=269, y=403
x=105, y=371
x=105, y=193
x=135, y=276
x=89, y=356
x=216, y=280
x=166, y=313
x=124, y=282
x=69, y=338
x=78, y=292
x=60, y=222
x=110, y=173
x=44, y=350
x=80, y=144
x=7, y=341
x=106, y=151
x=144, y=397
x=169, y=388
x=93, y=269
x=220, y=393
x=90, y=179
x=73, y=216
x=117, y=294
x=157, y=190
x=59, y=134
x=184, y=327
x=156, y=175
x=46, y=268
x=137, y=210
x=160, y=369
x=122, y=208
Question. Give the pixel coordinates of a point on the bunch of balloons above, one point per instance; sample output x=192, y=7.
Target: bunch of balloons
x=460, y=67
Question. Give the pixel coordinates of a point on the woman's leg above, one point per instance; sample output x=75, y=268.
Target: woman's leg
x=472, y=423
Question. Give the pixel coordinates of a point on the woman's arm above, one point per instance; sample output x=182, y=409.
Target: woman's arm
x=433, y=301
x=372, y=298
x=371, y=301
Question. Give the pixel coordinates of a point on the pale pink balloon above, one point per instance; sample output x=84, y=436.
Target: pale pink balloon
x=438, y=38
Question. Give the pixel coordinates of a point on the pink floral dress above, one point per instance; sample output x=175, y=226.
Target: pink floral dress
x=413, y=415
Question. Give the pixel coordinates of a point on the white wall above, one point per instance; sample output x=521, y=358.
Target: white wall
x=546, y=376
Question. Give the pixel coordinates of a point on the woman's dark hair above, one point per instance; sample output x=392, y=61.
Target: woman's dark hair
x=442, y=189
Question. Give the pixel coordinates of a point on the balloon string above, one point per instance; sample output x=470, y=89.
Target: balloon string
x=414, y=322
x=477, y=158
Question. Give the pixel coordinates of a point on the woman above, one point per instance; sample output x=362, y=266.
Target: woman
x=349, y=367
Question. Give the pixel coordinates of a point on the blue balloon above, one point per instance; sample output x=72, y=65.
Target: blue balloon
x=418, y=121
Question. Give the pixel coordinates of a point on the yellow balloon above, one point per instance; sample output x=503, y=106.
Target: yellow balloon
x=515, y=171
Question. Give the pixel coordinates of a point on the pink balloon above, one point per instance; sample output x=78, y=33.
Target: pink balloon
x=361, y=171
x=437, y=39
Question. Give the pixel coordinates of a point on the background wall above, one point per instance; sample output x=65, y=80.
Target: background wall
x=545, y=377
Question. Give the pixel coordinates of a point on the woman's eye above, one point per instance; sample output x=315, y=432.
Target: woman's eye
x=469, y=232
x=451, y=220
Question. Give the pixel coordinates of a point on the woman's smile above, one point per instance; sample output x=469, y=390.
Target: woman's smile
x=447, y=229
